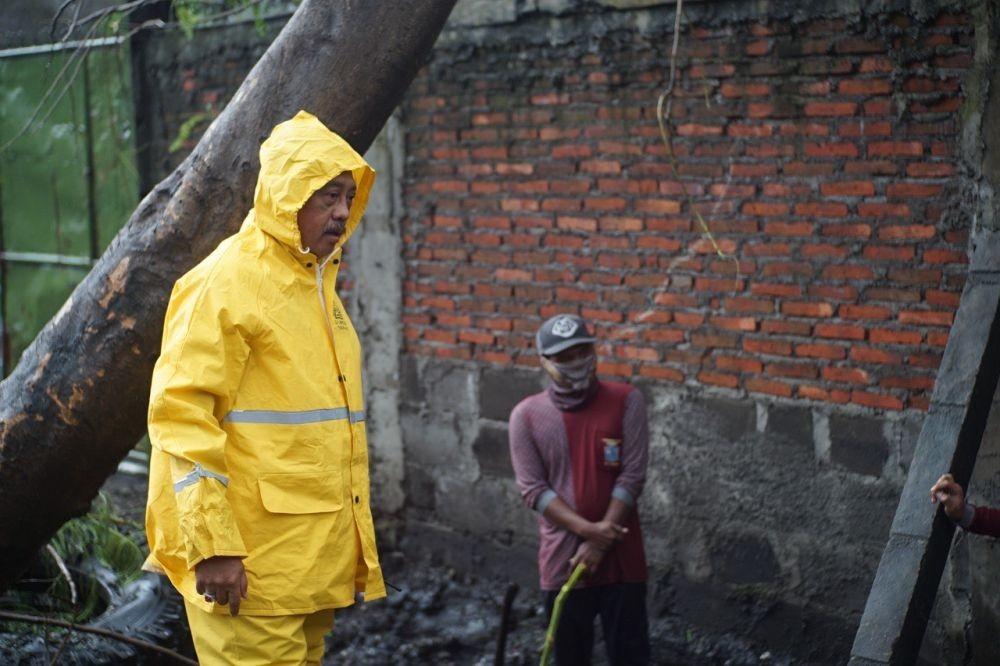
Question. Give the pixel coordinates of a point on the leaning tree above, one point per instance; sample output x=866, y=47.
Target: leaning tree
x=76, y=402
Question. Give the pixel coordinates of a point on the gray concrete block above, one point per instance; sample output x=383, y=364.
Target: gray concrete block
x=745, y=559
x=794, y=424
x=500, y=390
x=419, y=488
x=410, y=389
x=731, y=419
x=449, y=387
x=492, y=451
x=858, y=443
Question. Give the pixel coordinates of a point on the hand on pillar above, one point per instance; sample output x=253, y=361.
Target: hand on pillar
x=950, y=495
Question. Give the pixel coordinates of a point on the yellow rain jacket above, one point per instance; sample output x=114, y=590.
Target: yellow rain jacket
x=256, y=413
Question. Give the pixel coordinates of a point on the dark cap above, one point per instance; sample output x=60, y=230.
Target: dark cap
x=562, y=332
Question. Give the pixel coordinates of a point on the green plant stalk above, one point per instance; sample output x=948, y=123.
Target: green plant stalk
x=550, y=635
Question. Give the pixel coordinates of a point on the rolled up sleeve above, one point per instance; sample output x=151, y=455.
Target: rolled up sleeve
x=529, y=469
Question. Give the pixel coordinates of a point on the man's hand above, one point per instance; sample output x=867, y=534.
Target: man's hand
x=222, y=580
x=589, y=555
x=951, y=496
x=604, y=534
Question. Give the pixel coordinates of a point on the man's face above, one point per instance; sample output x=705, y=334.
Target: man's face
x=323, y=218
x=569, y=355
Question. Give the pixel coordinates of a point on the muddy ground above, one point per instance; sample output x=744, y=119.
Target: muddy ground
x=436, y=616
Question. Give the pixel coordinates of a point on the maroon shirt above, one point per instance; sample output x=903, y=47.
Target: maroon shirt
x=585, y=456
x=985, y=521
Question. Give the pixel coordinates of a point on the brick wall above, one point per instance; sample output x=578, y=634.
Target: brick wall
x=821, y=154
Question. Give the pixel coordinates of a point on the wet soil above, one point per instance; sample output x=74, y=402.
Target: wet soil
x=435, y=615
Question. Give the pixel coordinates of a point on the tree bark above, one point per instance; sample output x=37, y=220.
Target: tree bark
x=76, y=402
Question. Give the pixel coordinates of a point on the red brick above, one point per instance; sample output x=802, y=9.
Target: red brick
x=796, y=370
x=767, y=346
x=831, y=149
x=907, y=232
x=768, y=386
x=930, y=170
x=851, y=188
x=942, y=256
x=846, y=230
x=840, y=331
x=786, y=327
x=846, y=375
x=888, y=252
x=883, y=210
x=914, y=383
x=851, y=311
x=601, y=166
x=587, y=224
x=864, y=87
x=819, y=209
x=820, y=351
x=737, y=364
x=735, y=323
x=937, y=338
x=809, y=392
x=694, y=129
x=748, y=305
x=662, y=373
x=926, y=318
x=775, y=289
x=910, y=190
x=895, y=149
x=665, y=335
x=871, y=355
x=848, y=272
x=718, y=379
x=796, y=309
x=831, y=109
x=876, y=400
x=476, y=337
x=894, y=337
x=764, y=209
x=512, y=275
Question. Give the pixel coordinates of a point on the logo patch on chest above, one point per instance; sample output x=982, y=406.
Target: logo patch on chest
x=339, y=319
x=612, y=452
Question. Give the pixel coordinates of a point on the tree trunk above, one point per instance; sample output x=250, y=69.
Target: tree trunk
x=76, y=403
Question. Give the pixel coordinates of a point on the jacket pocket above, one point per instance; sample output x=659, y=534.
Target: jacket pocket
x=301, y=493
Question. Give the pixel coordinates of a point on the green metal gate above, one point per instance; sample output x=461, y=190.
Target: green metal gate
x=68, y=183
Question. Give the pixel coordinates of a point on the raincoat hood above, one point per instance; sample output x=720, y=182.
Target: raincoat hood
x=300, y=157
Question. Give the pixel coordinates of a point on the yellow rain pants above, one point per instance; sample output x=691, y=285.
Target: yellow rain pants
x=248, y=640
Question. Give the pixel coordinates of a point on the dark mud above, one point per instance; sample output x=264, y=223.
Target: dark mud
x=437, y=616
x=444, y=617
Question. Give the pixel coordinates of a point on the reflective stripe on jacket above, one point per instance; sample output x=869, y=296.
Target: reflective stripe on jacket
x=256, y=414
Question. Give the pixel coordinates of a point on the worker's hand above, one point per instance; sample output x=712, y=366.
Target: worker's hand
x=589, y=554
x=951, y=496
x=222, y=580
x=604, y=534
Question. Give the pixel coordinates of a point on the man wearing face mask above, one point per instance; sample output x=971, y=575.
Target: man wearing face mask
x=579, y=451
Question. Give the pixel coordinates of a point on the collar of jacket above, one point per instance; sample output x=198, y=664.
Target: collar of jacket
x=301, y=156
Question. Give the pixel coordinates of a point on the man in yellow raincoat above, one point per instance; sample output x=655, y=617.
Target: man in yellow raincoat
x=258, y=490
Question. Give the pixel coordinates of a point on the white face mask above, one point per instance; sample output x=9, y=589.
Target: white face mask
x=573, y=375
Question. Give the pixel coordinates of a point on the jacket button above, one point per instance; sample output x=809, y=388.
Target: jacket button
x=342, y=378
x=309, y=265
x=336, y=261
x=357, y=499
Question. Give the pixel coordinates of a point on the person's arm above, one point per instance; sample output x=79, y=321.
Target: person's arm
x=977, y=520
x=537, y=493
x=201, y=362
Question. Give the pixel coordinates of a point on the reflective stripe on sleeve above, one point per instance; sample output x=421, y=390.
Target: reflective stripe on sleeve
x=197, y=473
x=268, y=416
